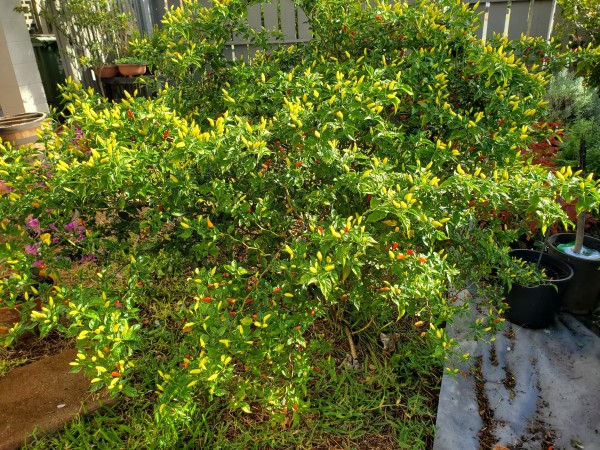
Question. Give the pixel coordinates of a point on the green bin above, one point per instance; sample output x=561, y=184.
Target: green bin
x=50, y=65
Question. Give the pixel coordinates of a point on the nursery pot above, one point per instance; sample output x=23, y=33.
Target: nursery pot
x=583, y=294
x=535, y=307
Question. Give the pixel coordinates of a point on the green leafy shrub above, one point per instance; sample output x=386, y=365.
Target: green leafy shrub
x=577, y=108
x=345, y=185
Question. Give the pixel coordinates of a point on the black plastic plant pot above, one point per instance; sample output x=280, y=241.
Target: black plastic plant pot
x=583, y=294
x=536, y=307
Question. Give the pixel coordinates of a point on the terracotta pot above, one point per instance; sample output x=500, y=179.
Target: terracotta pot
x=132, y=70
x=21, y=129
x=10, y=316
x=108, y=71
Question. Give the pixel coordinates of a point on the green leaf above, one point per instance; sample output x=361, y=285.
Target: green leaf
x=376, y=216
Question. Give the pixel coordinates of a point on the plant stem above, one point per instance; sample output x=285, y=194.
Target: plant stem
x=539, y=261
x=351, y=343
x=579, y=232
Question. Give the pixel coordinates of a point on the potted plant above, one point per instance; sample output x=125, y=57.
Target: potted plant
x=582, y=253
x=98, y=32
x=533, y=305
x=577, y=105
x=131, y=66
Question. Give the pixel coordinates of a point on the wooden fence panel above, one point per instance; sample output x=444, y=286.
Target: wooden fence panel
x=271, y=16
x=496, y=19
x=304, y=33
x=516, y=17
x=541, y=18
x=519, y=18
x=288, y=20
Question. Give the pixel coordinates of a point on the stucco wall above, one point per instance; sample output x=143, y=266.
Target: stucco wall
x=21, y=88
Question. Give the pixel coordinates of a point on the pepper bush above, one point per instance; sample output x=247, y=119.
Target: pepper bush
x=343, y=185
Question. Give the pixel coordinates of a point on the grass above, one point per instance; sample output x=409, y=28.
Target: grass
x=389, y=403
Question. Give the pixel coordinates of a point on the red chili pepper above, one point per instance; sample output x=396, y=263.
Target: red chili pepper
x=115, y=374
x=395, y=246
x=277, y=289
x=295, y=407
x=422, y=260
x=206, y=299
x=410, y=252
x=166, y=135
x=130, y=114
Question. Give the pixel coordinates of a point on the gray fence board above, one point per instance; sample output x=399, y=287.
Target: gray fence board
x=519, y=15
x=540, y=18
x=288, y=20
x=271, y=16
x=497, y=18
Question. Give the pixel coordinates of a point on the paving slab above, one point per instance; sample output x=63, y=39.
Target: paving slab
x=42, y=397
x=542, y=389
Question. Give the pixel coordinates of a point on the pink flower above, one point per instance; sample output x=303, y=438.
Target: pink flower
x=71, y=226
x=31, y=249
x=33, y=223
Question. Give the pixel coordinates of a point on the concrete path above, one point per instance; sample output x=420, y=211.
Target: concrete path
x=532, y=389
x=42, y=397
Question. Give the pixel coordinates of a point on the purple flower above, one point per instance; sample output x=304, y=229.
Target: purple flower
x=87, y=258
x=53, y=227
x=71, y=226
x=33, y=223
x=55, y=240
x=78, y=133
x=39, y=264
x=31, y=249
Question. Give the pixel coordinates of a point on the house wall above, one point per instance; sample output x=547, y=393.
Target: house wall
x=21, y=88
